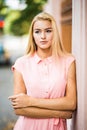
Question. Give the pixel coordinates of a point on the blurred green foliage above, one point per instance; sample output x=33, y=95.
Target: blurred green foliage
x=3, y=12
x=17, y=22
x=3, y=8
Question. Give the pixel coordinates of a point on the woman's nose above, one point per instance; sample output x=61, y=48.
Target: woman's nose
x=43, y=35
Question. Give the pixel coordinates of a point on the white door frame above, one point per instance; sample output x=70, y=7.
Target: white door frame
x=79, y=49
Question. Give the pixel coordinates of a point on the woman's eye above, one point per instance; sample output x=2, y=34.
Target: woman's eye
x=48, y=31
x=45, y=31
x=37, y=31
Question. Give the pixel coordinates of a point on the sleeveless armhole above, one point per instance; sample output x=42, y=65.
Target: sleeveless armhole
x=69, y=61
x=18, y=65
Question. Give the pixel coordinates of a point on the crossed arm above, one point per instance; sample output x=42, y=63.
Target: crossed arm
x=44, y=108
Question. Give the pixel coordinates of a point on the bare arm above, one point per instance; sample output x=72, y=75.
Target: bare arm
x=33, y=112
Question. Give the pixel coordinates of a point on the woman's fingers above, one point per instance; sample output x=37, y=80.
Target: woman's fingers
x=19, y=100
x=15, y=105
x=15, y=96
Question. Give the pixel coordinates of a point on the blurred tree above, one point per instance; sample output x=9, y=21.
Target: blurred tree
x=20, y=25
x=12, y=16
x=3, y=12
x=2, y=6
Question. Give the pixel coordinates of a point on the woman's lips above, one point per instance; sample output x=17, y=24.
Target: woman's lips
x=43, y=42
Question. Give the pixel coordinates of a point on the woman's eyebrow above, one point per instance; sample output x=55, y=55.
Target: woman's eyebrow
x=50, y=28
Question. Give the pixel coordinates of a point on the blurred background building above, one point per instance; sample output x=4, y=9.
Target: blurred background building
x=15, y=18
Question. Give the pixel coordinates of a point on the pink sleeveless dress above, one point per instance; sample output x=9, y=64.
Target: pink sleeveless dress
x=43, y=79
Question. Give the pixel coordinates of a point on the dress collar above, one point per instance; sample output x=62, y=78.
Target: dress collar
x=38, y=59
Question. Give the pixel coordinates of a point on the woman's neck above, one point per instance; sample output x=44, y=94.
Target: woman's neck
x=44, y=53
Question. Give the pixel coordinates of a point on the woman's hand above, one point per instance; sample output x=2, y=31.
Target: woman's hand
x=20, y=100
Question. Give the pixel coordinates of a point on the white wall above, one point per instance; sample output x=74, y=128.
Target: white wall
x=79, y=48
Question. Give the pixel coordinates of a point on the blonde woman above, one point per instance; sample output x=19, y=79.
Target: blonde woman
x=44, y=80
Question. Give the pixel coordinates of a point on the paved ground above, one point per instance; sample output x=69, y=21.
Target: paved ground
x=7, y=116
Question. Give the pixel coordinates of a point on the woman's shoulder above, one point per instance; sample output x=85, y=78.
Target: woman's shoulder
x=68, y=59
x=21, y=63
x=23, y=58
x=68, y=56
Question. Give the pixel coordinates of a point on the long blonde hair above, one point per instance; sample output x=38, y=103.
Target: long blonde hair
x=57, y=46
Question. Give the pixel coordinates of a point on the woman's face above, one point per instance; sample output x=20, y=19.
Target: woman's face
x=43, y=34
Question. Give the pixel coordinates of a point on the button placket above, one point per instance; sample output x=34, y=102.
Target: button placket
x=43, y=73
x=45, y=70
